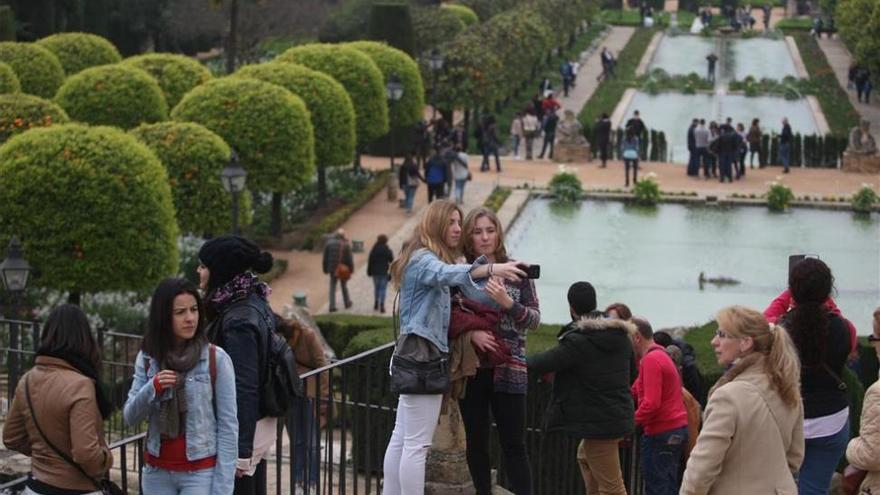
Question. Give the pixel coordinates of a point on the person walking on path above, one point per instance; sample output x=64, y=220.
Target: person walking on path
x=424, y=273
x=551, y=119
x=752, y=439
x=490, y=144
x=499, y=387
x=636, y=124
x=660, y=411
x=436, y=175
x=701, y=144
x=591, y=399
x=378, y=262
x=629, y=150
x=693, y=168
x=743, y=149
x=754, y=138
x=409, y=179
x=460, y=174
x=240, y=321
x=531, y=131
x=516, y=133
x=711, y=59
x=785, y=141
x=863, y=84
x=822, y=339
x=339, y=264
x=185, y=388
x=603, y=138
x=60, y=402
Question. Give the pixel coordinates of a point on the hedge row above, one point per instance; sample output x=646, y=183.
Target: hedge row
x=177, y=75
x=39, y=71
x=78, y=51
x=20, y=112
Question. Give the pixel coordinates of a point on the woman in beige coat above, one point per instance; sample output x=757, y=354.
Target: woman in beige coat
x=863, y=452
x=752, y=439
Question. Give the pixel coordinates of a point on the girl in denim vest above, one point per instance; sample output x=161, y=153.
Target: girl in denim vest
x=424, y=271
x=185, y=388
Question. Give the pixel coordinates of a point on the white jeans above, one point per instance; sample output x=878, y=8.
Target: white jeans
x=404, y=465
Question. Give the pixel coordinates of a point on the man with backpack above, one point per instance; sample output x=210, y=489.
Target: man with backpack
x=338, y=263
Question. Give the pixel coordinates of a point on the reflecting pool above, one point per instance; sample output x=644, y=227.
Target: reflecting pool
x=738, y=58
x=651, y=259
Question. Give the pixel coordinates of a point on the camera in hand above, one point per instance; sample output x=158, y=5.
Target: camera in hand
x=532, y=271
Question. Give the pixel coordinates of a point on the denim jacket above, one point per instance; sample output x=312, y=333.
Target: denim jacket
x=206, y=435
x=424, y=295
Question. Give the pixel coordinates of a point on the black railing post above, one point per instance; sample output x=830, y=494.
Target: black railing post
x=13, y=359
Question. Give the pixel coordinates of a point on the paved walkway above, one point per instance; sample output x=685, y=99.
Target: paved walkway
x=839, y=58
x=616, y=40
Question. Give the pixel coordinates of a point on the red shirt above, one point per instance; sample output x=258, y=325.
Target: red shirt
x=657, y=391
x=172, y=451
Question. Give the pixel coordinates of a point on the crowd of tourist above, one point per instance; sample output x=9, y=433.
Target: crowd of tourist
x=722, y=150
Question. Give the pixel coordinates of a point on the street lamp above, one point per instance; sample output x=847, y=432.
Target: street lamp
x=14, y=271
x=435, y=62
x=234, y=177
x=394, y=92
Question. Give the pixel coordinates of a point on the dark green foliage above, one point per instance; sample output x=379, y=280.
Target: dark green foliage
x=8, y=80
x=115, y=95
x=391, y=61
x=176, y=74
x=433, y=26
x=38, y=70
x=359, y=75
x=390, y=22
x=7, y=24
x=78, y=51
x=329, y=105
x=465, y=14
x=486, y=9
x=92, y=207
x=266, y=125
x=832, y=98
x=20, y=112
x=350, y=22
x=193, y=156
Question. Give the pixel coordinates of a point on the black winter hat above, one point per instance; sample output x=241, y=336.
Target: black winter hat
x=229, y=255
x=582, y=298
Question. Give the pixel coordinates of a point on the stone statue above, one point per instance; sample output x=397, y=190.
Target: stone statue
x=861, y=153
x=860, y=140
x=570, y=131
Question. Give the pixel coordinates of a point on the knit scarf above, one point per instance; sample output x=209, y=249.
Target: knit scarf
x=181, y=360
x=241, y=286
x=88, y=369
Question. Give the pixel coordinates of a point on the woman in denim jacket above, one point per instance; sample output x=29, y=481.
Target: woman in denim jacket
x=424, y=271
x=192, y=436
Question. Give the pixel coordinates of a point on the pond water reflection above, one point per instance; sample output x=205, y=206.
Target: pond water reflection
x=651, y=258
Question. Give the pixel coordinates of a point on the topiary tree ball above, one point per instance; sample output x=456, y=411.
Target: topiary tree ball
x=114, y=95
x=409, y=109
x=20, y=112
x=92, y=207
x=39, y=71
x=8, y=80
x=176, y=74
x=78, y=51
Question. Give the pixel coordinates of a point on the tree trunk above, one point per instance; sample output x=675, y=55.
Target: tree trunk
x=322, y=185
x=275, y=227
x=232, y=42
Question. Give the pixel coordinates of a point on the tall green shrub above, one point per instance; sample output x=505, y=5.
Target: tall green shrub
x=434, y=26
x=361, y=78
x=114, y=95
x=8, y=80
x=20, y=112
x=78, y=51
x=193, y=156
x=268, y=126
x=465, y=14
x=38, y=70
x=329, y=105
x=392, y=61
x=176, y=74
x=92, y=207
x=390, y=22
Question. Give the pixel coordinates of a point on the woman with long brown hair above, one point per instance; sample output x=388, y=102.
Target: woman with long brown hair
x=752, y=439
x=424, y=272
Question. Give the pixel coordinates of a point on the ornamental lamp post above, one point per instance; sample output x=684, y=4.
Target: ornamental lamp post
x=234, y=177
x=14, y=271
x=394, y=92
x=435, y=62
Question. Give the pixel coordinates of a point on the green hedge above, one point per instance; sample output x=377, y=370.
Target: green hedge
x=38, y=70
x=434, y=26
x=8, y=80
x=268, y=127
x=838, y=110
x=114, y=95
x=193, y=156
x=329, y=105
x=20, y=112
x=411, y=106
x=177, y=74
x=340, y=330
x=859, y=25
x=78, y=51
x=358, y=74
x=390, y=23
x=485, y=9
x=465, y=14
x=73, y=193
x=496, y=200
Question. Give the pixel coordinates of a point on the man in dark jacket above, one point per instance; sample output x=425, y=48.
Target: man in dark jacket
x=603, y=138
x=550, y=122
x=591, y=398
x=693, y=169
x=729, y=144
x=337, y=253
x=785, y=139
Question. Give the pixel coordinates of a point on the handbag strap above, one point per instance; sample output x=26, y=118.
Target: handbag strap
x=395, y=315
x=67, y=459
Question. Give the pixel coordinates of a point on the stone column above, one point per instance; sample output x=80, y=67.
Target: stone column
x=446, y=472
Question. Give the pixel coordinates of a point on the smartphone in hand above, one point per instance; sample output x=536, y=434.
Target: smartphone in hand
x=532, y=271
